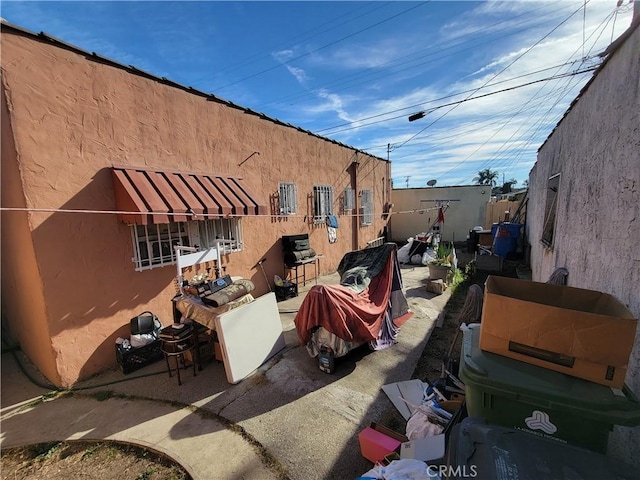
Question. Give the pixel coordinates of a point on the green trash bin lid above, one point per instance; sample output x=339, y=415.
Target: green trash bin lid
x=546, y=388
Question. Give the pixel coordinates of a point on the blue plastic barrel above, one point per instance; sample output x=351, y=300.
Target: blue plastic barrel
x=505, y=237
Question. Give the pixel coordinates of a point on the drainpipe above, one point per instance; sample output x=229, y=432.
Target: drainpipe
x=355, y=224
x=387, y=203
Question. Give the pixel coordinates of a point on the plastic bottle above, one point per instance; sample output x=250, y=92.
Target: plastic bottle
x=326, y=360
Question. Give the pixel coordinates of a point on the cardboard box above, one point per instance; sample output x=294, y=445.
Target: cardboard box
x=582, y=333
x=377, y=441
x=435, y=286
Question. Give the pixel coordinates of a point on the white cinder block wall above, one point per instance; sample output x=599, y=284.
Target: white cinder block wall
x=466, y=210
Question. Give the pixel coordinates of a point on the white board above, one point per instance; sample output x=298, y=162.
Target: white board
x=410, y=390
x=189, y=259
x=249, y=336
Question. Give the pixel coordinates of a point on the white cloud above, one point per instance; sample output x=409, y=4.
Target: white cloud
x=334, y=103
x=283, y=55
x=300, y=74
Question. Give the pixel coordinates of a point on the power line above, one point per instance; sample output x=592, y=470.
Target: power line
x=564, y=91
x=323, y=47
x=377, y=73
x=305, y=36
x=468, y=99
x=412, y=107
x=495, y=76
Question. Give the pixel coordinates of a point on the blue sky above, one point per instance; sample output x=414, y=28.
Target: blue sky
x=355, y=71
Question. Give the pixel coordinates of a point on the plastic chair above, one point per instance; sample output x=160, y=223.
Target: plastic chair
x=174, y=346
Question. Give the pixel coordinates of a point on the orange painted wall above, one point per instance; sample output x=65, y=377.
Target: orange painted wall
x=73, y=118
x=23, y=302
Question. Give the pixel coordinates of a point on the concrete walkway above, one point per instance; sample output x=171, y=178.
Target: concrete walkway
x=287, y=420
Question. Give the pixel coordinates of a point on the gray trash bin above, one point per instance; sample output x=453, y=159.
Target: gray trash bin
x=491, y=452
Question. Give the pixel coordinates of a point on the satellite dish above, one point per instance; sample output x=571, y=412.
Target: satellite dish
x=431, y=183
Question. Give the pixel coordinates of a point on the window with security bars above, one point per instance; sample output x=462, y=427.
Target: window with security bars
x=153, y=244
x=349, y=198
x=551, y=206
x=322, y=202
x=287, y=198
x=366, y=207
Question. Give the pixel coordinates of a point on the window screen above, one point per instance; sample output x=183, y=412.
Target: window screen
x=287, y=198
x=551, y=206
x=322, y=202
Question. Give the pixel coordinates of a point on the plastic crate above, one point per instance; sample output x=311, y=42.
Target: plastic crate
x=135, y=358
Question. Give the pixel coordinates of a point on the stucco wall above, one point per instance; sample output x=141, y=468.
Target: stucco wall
x=460, y=217
x=73, y=118
x=596, y=149
x=23, y=303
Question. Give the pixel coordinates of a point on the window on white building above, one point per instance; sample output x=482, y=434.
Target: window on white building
x=153, y=244
x=322, y=202
x=287, y=198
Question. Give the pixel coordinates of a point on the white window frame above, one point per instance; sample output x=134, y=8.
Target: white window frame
x=159, y=239
x=366, y=207
x=287, y=198
x=322, y=202
x=349, y=199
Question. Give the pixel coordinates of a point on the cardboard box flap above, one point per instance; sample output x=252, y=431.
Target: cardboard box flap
x=557, y=319
x=570, y=298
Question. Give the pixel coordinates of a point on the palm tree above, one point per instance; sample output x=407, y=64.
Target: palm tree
x=508, y=186
x=486, y=177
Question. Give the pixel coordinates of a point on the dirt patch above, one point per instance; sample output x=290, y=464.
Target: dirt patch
x=88, y=460
x=442, y=339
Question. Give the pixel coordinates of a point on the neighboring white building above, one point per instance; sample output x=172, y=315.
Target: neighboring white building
x=414, y=210
x=584, y=198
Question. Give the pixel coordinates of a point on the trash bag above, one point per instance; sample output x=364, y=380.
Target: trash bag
x=404, y=469
x=416, y=260
x=429, y=256
x=403, y=252
x=142, y=339
x=419, y=426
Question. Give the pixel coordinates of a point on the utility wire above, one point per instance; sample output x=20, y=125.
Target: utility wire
x=543, y=120
x=358, y=123
x=324, y=46
x=467, y=99
x=564, y=92
x=366, y=76
x=309, y=34
x=495, y=76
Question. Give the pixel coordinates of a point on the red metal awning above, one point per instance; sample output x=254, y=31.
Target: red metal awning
x=153, y=196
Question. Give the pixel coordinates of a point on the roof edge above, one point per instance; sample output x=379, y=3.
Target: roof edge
x=93, y=56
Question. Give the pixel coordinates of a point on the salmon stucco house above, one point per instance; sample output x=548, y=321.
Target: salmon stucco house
x=105, y=168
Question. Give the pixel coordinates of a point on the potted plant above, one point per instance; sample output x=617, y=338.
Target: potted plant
x=440, y=268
